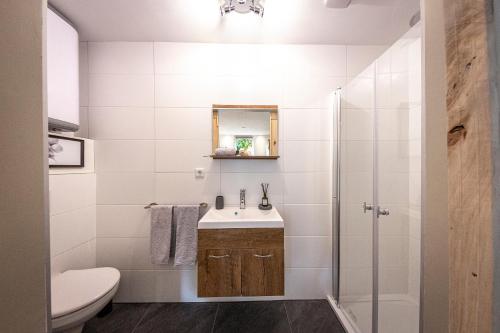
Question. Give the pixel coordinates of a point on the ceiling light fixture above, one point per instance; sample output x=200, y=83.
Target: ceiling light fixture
x=242, y=6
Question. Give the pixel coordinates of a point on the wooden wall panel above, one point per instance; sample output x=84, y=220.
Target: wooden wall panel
x=469, y=166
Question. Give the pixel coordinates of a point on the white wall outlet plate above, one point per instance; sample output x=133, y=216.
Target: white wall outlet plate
x=199, y=172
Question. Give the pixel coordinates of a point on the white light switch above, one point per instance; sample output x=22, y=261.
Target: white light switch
x=199, y=172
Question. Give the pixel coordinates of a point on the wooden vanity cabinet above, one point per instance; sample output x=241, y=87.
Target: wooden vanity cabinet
x=240, y=262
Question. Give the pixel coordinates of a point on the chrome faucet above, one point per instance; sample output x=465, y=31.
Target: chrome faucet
x=242, y=199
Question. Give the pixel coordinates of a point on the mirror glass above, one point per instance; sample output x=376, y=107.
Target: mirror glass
x=245, y=132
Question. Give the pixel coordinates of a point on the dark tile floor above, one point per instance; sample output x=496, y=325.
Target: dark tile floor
x=308, y=316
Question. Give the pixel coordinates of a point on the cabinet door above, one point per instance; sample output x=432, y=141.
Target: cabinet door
x=219, y=273
x=262, y=272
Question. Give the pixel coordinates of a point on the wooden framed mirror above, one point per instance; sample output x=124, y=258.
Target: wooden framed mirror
x=245, y=132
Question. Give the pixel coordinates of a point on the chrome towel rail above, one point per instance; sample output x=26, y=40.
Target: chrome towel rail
x=203, y=204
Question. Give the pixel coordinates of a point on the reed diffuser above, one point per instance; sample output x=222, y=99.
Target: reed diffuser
x=265, y=205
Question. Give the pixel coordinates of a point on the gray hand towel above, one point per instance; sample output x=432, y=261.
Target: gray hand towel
x=186, y=244
x=161, y=233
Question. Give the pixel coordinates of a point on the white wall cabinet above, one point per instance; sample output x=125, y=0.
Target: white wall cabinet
x=62, y=73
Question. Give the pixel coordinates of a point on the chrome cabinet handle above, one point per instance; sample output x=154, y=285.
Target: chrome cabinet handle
x=259, y=256
x=219, y=257
x=367, y=207
x=382, y=211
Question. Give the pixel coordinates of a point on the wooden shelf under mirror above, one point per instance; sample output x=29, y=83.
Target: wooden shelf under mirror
x=236, y=157
x=250, y=129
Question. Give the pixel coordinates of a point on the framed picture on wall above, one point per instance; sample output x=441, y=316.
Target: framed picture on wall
x=66, y=152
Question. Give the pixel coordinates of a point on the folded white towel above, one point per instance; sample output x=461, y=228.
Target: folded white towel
x=225, y=151
x=161, y=234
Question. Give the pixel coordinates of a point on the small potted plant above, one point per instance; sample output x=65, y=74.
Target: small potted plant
x=242, y=146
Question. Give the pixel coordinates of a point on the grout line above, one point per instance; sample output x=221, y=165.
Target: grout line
x=72, y=210
x=141, y=319
x=74, y=247
x=288, y=317
x=215, y=318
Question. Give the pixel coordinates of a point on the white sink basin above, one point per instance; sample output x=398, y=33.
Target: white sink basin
x=234, y=217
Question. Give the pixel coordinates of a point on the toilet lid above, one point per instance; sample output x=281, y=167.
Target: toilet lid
x=75, y=289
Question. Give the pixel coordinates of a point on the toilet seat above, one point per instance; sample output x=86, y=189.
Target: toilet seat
x=74, y=290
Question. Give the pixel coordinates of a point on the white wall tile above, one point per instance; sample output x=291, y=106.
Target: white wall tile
x=400, y=94
x=357, y=124
x=231, y=183
x=124, y=156
x=123, y=221
x=415, y=120
x=253, y=166
x=393, y=251
x=306, y=283
x=309, y=188
x=311, y=92
x=184, y=156
x=68, y=230
x=354, y=222
x=361, y=56
x=307, y=124
x=184, y=124
x=120, y=58
x=393, y=280
x=125, y=188
x=383, y=90
x=357, y=187
x=121, y=123
x=185, y=91
x=393, y=156
x=359, y=93
x=393, y=124
x=307, y=220
x=399, y=57
x=157, y=286
x=83, y=131
x=397, y=223
x=83, y=73
x=314, y=60
x=250, y=90
x=357, y=156
x=185, y=188
x=307, y=156
x=308, y=252
x=127, y=253
x=121, y=90
x=393, y=188
x=357, y=281
x=71, y=191
x=356, y=252
x=185, y=58
x=384, y=63
x=80, y=257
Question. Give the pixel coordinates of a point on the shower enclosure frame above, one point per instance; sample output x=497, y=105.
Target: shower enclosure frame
x=335, y=298
x=376, y=211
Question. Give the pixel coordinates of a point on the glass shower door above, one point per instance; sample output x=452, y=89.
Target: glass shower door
x=356, y=193
x=397, y=182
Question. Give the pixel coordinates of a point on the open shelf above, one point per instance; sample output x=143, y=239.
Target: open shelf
x=236, y=157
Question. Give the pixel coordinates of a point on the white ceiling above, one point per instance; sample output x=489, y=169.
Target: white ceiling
x=285, y=21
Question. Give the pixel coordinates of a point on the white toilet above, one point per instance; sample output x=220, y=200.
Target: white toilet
x=78, y=295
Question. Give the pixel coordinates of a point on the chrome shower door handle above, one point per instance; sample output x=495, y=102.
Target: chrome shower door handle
x=367, y=207
x=382, y=212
